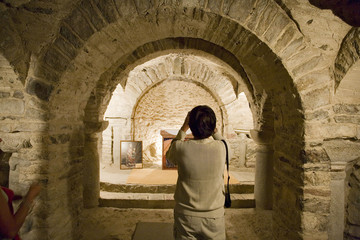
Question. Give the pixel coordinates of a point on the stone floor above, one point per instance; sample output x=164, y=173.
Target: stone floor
x=120, y=224
x=108, y=223
x=115, y=175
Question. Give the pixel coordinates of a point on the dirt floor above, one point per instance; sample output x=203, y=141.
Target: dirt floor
x=119, y=224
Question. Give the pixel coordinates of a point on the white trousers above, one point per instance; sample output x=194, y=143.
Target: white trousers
x=196, y=228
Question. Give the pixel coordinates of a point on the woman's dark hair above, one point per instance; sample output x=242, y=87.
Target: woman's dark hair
x=202, y=121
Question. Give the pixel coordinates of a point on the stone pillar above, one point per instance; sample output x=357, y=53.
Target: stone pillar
x=337, y=206
x=263, y=169
x=91, y=169
x=242, y=146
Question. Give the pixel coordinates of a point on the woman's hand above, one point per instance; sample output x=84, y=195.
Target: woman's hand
x=185, y=125
x=33, y=191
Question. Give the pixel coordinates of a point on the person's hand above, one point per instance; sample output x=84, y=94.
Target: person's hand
x=185, y=125
x=33, y=191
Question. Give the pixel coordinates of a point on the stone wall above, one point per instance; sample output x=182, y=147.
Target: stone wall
x=164, y=107
x=66, y=54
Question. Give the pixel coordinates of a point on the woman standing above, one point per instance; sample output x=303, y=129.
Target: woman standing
x=199, y=195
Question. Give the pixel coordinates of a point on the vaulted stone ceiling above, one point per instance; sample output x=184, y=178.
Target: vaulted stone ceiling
x=44, y=17
x=70, y=55
x=38, y=22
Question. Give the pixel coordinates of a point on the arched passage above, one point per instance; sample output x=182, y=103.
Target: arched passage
x=73, y=65
x=343, y=147
x=192, y=66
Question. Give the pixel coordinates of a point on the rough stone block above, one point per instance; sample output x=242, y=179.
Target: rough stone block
x=79, y=25
x=256, y=13
x=215, y=6
x=311, y=191
x=316, y=178
x=11, y=106
x=46, y=73
x=346, y=109
x=39, y=89
x=285, y=38
x=309, y=66
x=92, y=15
x=314, y=155
x=65, y=47
x=353, y=231
x=108, y=10
x=143, y=7
x=36, y=114
x=316, y=205
x=18, y=94
x=340, y=150
x=314, y=222
x=347, y=119
x=312, y=79
x=329, y=130
x=318, y=115
x=353, y=216
x=31, y=127
x=276, y=27
x=294, y=47
x=239, y=10
x=55, y=60
x=266, y=18
x=316, y=98
x=4, y=94
x=192, y=3
x=126, y=8
x=71, y=37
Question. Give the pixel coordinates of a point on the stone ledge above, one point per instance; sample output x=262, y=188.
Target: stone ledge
x=160, y=201
x=166, y=188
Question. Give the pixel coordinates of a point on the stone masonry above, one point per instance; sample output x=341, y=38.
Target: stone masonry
x=296, y=62
x=161, y=103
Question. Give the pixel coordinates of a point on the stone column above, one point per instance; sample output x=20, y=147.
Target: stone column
x=91, y=169
x=263, y=169
x=337, y=206
x=242, y=145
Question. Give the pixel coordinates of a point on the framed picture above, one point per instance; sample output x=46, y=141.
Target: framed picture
x=130, y=154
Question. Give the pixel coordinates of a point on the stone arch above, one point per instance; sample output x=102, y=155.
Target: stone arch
x=348, y=55
x=343, y=146
x=12, y=47
x=147, y=130
x=121, y=72
x=259, y=35
x=182, y=65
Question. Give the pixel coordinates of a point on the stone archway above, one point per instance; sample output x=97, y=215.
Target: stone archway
x=261, y=37
x=343, y=146
x=191, y=66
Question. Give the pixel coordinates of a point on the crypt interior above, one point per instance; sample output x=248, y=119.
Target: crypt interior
x=79, y=77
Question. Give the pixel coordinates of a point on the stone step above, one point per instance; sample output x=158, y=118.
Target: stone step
x=161, y=200
x=240, y=188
